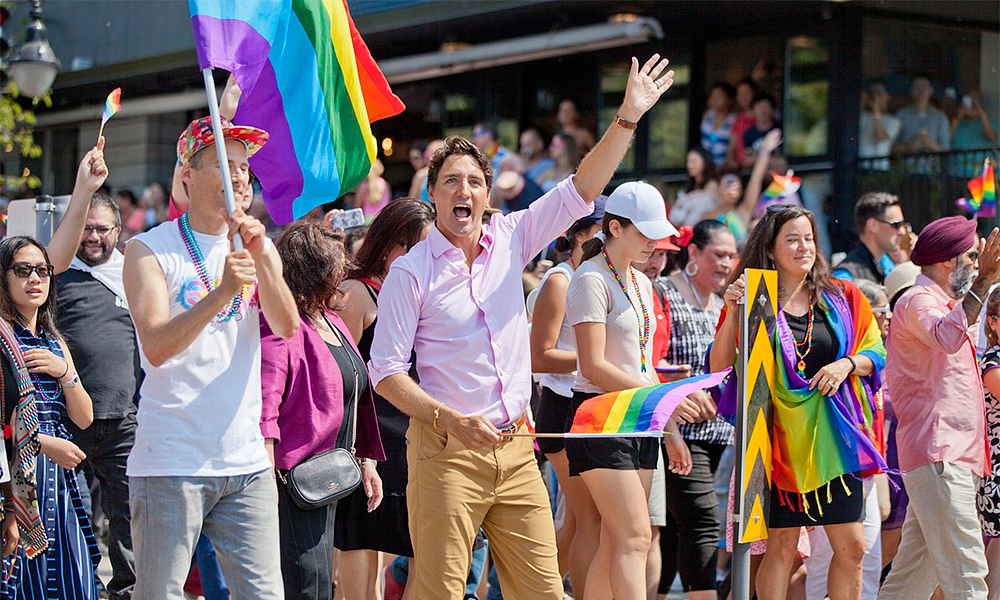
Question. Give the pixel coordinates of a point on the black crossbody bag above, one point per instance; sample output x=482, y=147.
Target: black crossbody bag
x=324, y=478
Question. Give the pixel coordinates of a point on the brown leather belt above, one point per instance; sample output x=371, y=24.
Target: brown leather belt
x=513, y=426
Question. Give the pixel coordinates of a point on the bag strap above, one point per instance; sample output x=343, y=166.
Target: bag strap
x=350, y=350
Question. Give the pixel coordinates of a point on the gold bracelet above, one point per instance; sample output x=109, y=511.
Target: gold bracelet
x=437, y=413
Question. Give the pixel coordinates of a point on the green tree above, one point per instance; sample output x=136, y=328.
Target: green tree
x=17, y=122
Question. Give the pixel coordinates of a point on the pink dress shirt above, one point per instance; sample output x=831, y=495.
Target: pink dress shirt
x=933, y=379
x=469, y=328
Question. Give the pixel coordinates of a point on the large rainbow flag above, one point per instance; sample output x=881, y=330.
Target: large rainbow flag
x=638, y=410
x=309, y=81
x=818, y=438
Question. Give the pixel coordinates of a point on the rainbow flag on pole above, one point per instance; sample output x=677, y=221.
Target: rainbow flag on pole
x=639, y=409
x=309, y=81
x=983, y=189
x=112, y=105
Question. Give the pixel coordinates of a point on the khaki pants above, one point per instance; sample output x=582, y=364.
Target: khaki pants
x=942, y=542
x=453, y=491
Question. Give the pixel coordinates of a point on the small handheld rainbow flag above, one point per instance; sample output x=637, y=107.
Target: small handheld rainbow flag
x=782, y=186
x=983, y=189
x=111, y=107
x=638, y=410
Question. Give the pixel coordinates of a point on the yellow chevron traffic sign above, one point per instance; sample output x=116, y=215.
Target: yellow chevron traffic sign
x=754, y=416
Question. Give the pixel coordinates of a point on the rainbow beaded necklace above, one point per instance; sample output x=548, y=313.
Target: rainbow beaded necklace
x=194, y=250
x=807, y=341
x=644, y=335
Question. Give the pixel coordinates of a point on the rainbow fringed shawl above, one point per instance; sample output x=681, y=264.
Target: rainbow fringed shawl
x=817, y=438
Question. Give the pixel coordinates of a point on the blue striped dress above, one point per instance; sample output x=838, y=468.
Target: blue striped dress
x=67, y=568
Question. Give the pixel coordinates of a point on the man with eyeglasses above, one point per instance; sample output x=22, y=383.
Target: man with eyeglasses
x=94, y=318
x=879, y=219
x=933, y=379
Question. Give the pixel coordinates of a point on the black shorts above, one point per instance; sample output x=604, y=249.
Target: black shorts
x=554, y=416
x=838, y=507
x=619, y=454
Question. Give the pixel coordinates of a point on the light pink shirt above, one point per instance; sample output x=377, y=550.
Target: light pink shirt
x=933, y=379
x=469, y=328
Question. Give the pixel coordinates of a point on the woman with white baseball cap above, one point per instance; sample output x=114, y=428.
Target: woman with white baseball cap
x=609, y=304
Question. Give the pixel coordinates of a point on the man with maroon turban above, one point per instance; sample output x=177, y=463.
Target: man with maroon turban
x=933, y=379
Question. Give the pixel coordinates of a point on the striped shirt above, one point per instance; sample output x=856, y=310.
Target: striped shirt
x=692, y=331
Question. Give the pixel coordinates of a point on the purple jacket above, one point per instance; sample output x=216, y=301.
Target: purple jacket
x=303, y=392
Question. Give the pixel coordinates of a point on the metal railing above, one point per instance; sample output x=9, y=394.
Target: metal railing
x=928, y=184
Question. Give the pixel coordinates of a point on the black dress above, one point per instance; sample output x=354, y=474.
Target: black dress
x=387, y=528
x=842, y=508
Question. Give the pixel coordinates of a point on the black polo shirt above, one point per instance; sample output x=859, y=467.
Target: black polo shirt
x=860, y=264
x=101, y=337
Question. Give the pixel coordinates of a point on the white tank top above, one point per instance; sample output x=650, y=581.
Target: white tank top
x=199, y=415
x=561, y=383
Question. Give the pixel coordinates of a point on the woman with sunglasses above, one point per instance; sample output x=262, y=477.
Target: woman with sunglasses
x=360, y=532
x=27, y=302
x=828, y=354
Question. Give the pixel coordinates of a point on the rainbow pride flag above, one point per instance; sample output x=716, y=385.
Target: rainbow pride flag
x=112, y=105
x=782, y=190
x=782, y=186
x=308, y=80
x=639, y=409
x=983, y=189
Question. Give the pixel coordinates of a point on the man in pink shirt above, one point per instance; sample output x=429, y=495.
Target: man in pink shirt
x=456, y=298
x=933, y=379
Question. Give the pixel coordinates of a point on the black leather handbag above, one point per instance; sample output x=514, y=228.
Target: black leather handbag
x=324, y=478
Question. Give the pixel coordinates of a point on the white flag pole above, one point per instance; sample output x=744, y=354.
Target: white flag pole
x=220, y=147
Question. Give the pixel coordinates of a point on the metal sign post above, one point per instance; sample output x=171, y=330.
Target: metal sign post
x=754, y=418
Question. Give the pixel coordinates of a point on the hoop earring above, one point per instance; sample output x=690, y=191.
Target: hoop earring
x=688, y=271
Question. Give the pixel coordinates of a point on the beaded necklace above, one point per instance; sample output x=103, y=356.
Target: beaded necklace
x=37, y=381
x=807, y=341
x=644, y=336
x=194, y=250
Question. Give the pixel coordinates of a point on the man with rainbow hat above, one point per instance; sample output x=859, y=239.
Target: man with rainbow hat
x=199, y=460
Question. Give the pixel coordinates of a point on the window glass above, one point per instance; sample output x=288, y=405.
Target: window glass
x=668, y=122
x=806, y=100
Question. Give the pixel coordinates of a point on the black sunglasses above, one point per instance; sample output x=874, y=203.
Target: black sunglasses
x=777, y=208
x=893, y=224
x=24, y=270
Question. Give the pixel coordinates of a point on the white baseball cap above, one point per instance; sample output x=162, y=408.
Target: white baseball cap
x=642, y=204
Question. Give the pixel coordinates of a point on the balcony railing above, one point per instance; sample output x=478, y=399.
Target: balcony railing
x=928, y=184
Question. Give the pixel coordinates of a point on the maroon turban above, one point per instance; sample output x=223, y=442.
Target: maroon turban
x=943, y=240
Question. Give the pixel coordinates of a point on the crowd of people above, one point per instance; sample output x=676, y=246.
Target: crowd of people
x=349, y=414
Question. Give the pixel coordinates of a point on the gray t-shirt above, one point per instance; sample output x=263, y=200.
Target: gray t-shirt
x=594, y=296
x=912, y=122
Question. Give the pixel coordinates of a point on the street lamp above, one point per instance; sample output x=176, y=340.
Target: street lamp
x=33, y=64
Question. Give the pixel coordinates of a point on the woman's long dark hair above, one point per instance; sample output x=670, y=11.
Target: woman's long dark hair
x=760, y=243
x=313, y=260
x=708, y=174
x=593, y=246
x=566, y=243
x=400, y=222
x=8, y=310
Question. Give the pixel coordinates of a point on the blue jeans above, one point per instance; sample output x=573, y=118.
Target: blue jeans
x=212, y=582
x=476, y=568
x=239, y=514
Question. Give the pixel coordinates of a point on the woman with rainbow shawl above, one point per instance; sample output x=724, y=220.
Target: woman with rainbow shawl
x=826, y=434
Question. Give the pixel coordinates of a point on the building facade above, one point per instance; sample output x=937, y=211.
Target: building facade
x=511, y=62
